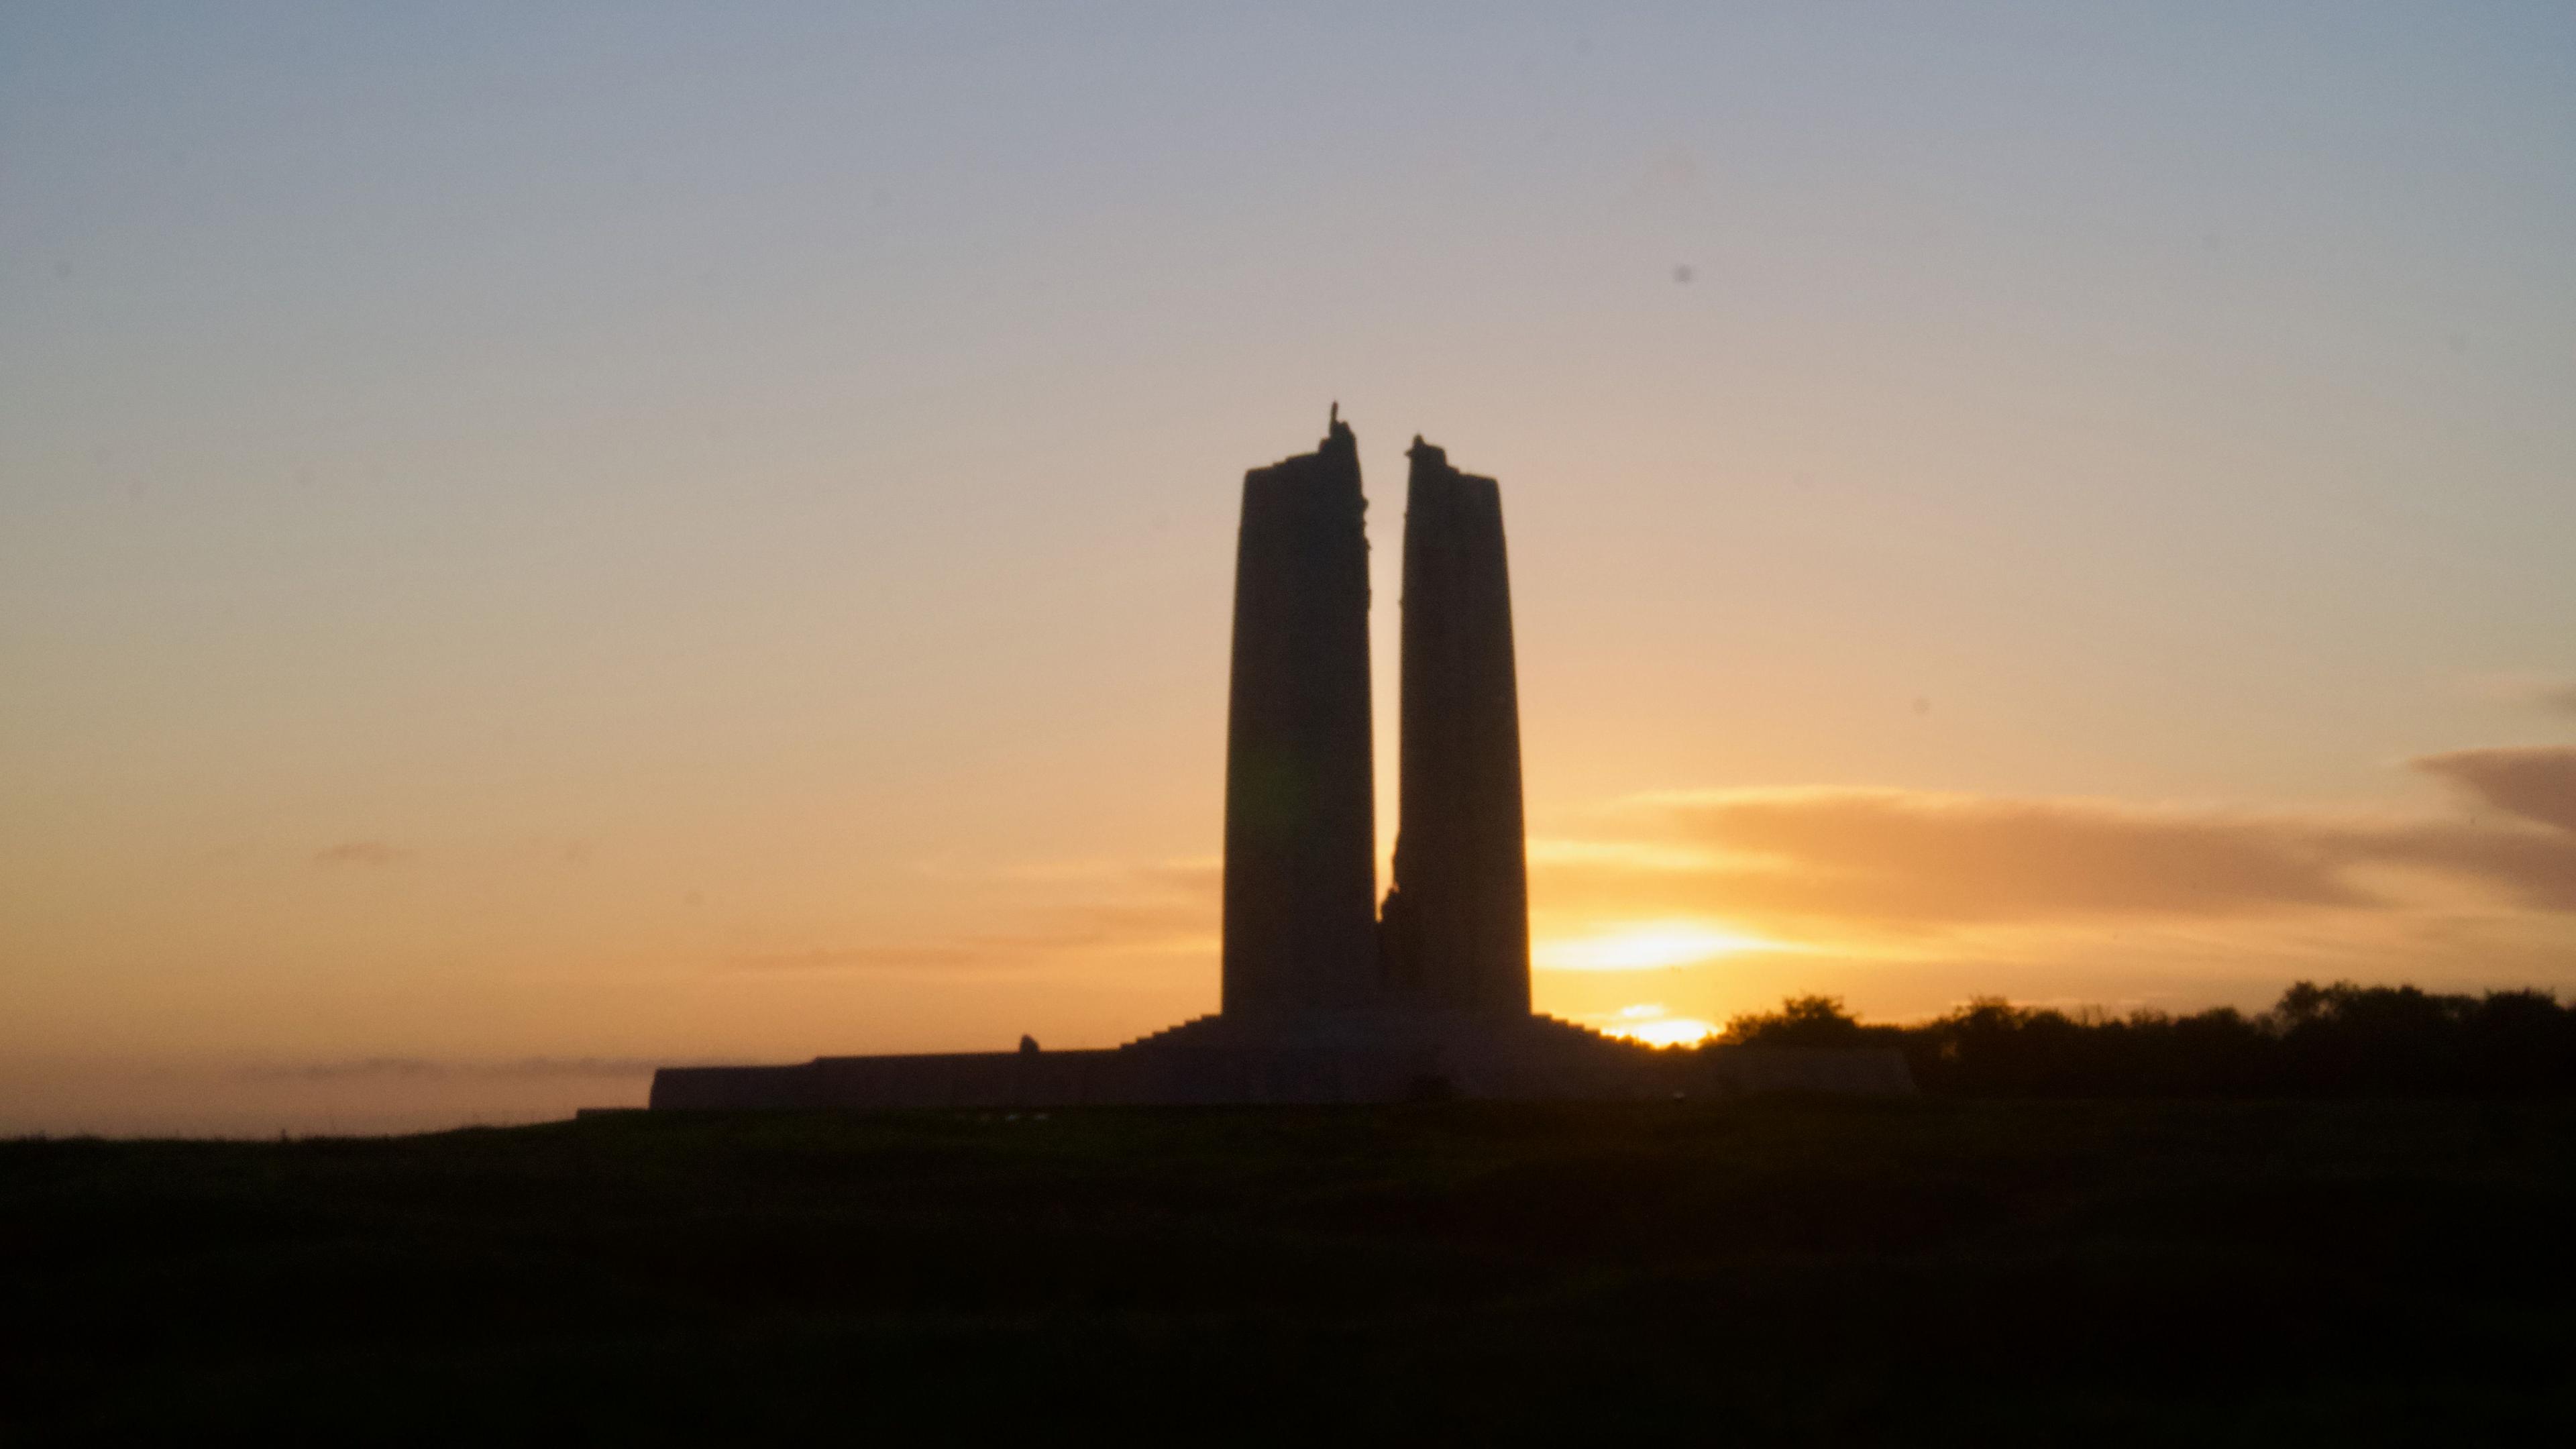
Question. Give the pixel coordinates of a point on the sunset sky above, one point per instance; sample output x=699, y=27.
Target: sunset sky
x=536, y=541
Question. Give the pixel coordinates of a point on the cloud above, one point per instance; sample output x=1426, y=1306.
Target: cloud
x=360, y=852
x=2531, y=853
x=1197, y=875
x=953, y=952
x=1619, y=854
x=1913, y=861
x=419, y=1068
x=1149, y=908
x=1916, y=856
x=2534, y=782
x=2540, y=691
x=1878, y=874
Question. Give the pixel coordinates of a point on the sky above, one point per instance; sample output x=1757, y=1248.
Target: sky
x=541, y=541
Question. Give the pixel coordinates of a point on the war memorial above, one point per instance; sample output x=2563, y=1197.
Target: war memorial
x=1329, y=995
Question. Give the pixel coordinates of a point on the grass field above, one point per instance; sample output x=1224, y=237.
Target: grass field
x=1807, y=1271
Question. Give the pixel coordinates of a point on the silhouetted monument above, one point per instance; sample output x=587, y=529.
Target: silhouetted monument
x=1300, y=786
x=1322, y=1000
x=1456, y=928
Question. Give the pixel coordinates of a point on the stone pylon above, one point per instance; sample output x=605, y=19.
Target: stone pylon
x=1300, y=788
x=1456, y=927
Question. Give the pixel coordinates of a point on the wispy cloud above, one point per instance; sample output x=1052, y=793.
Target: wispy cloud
x=360, y=852
x=2533, y=782
x=1138, y=909
x=2537, y=691
x=1795, y=861
x=1887, y=855
x=377, y=1069
x=1649, y=946
x=1621, y=855
x=1758, y=878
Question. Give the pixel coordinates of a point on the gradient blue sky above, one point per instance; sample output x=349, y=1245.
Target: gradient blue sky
x=544, y=535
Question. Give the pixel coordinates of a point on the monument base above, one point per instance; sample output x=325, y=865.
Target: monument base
x=1337, y=1057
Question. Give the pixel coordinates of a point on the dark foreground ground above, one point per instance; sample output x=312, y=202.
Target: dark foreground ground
x=1783, y=1270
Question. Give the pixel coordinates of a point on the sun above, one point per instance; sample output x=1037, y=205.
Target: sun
x=1647, y=1023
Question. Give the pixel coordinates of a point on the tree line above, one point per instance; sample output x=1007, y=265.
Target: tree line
x=2338, y=1040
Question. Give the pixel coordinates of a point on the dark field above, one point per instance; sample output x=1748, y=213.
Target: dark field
x=1777, y=1270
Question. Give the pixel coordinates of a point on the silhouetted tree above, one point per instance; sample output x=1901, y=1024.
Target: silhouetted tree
x=2338, y=1040
x=1803, y=1021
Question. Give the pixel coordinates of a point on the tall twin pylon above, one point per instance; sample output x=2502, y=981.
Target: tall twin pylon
x=1300, y=788
x=1302, y=931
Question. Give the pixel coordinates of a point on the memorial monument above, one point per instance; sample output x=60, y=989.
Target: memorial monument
x=1322, y=997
